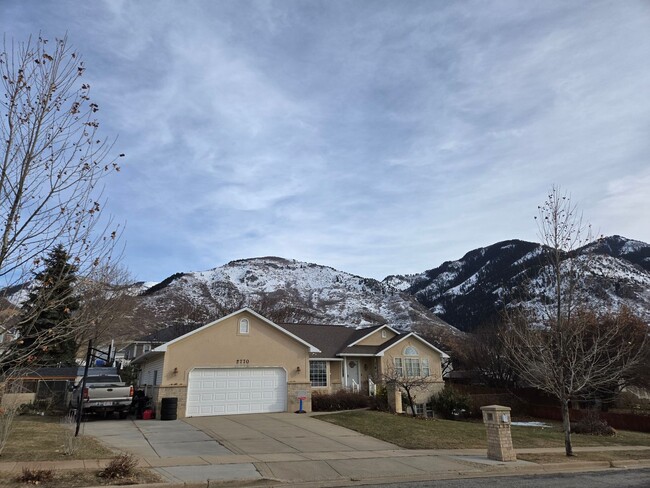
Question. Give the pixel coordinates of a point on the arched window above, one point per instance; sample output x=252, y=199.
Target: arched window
x=410, y=351
x=244, y=326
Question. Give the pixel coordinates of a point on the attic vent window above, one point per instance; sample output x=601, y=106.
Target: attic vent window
x=244, y=326
x=410, y=351
x=383, y=334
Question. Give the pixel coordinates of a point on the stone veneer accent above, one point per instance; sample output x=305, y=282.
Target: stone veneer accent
x=293, y=404
x=499, y=439
x=179, y=392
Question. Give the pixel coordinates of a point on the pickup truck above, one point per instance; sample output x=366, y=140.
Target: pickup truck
x=105, y=394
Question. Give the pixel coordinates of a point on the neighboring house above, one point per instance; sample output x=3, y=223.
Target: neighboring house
x=7, y=336
x=147, y=343
x=134, y=349
x=245, y=363
x=28, y=385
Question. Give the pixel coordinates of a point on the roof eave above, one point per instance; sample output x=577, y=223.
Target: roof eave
x=312, y=348
x=385, y=326
x=443, y=354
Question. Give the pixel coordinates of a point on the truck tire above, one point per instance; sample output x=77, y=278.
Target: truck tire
x=123, y=414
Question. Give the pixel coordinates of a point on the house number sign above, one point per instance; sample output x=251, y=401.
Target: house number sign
x=242, y=361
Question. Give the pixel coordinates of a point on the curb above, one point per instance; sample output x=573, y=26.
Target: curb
x=496, y=471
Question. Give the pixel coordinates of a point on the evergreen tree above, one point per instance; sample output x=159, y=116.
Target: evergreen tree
x=46, y=329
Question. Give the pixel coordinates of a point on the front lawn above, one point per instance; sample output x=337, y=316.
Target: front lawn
x=418, y=433
x=35, y=438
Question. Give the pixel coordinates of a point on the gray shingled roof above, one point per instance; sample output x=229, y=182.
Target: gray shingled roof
x=330, y=339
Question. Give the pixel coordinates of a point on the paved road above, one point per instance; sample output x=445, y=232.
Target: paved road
x=633, y=478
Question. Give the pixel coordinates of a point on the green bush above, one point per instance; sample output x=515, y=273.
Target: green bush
x=340, y=400
x=451, y=404
x=380, y=400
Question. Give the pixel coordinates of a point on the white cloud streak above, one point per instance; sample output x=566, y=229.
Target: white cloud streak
x=375, y=137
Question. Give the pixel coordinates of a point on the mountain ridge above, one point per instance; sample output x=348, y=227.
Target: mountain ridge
x=458, y=295
x=471, y=291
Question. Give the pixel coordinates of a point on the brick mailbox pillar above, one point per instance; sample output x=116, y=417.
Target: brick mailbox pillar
x=499, y=439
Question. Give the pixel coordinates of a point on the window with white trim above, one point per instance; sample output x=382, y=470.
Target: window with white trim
x=412, y=367
x=244, y=326
x=426, y=371
x=384, y=334
x=399, y=370
x=318, y=373
x=410, y=351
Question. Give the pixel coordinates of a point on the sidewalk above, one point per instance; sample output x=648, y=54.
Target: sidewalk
x=344, y=468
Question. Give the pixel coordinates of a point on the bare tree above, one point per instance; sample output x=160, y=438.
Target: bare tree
x=106, y=305
x=52, y=160
x=411, y=383
x=483, y=351
x=561, y=348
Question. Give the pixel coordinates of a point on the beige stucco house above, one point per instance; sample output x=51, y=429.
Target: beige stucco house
x=245, y=363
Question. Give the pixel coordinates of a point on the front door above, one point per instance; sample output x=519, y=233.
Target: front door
x=353, y=372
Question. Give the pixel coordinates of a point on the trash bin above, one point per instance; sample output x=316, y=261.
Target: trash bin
x=168, y=408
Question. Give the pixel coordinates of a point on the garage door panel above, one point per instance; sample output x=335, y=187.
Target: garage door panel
x=236, y=390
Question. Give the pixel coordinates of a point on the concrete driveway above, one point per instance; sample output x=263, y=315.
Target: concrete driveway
x=285, y=447
x=283, y=433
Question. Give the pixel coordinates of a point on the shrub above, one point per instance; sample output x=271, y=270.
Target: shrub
x=451, y=404
x=36, y=476
x=340, y=400
x=592, y=424
x=122, y=466
x=380, y=400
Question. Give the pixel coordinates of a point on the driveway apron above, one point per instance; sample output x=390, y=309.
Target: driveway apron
x=284, y=447
x=174, y=449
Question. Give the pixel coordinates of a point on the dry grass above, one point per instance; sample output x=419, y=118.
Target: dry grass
x=547, y=458
x=79, y=479
x=43, y=439
x=413, y=433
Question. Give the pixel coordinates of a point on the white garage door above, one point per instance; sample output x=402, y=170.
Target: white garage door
x=217, y=391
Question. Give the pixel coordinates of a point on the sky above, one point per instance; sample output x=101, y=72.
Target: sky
x=376, y=137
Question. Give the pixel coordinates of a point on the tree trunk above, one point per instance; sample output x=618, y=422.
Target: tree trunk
x=411, y=404
x=566, y=424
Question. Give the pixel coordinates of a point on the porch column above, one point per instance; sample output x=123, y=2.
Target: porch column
x=345, y=372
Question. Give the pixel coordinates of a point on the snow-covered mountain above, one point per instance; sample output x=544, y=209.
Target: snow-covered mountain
x=464, y=293
x=285, y=291
x=474, y=289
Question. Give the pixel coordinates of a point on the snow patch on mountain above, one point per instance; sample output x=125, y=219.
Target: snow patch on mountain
x=289, y=290
x=475, y=289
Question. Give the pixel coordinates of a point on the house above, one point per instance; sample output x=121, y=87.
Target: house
x=245, y=363
x=144, y=344
x=48, y=383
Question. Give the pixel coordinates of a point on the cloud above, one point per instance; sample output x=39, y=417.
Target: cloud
x=375, y=137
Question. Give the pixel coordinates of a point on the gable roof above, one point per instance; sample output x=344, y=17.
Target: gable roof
x=337, y=341
x=328, y=338
x=163, y=347
x=372, y=330
x=396, y=340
